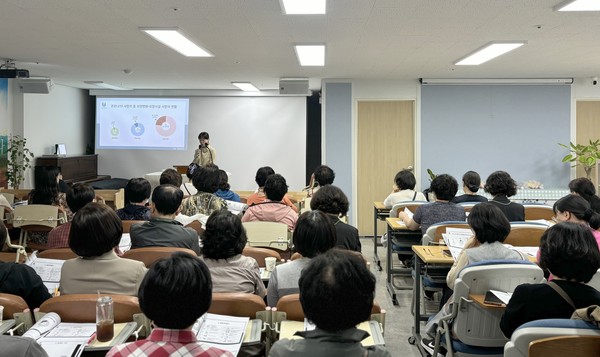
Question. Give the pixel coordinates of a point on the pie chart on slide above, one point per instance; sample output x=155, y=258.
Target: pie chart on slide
x=165, y=125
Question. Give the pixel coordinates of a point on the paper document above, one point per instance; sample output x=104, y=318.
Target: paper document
x=531, y=251
x=502, y=295
x=60, y=339
x=48, y=269
x=408, y=212
x=236, y=207
x=541, y=221
x=125, y=243
x=309, y=326
x=456, y=241
x=220, y=331
x=455, y=252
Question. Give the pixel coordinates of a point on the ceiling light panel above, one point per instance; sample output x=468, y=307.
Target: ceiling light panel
x=246, y=86
x=488, y=52
x=579, y=5
x=303, y=7
x=174, y=38
x=310, y=55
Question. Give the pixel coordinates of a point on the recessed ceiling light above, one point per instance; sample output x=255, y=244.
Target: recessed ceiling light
x=578, y=5
x=174, y=38
x=489, y=51
x=246, y=86
x=105, y=85
x=303, y=7
x=310, y=55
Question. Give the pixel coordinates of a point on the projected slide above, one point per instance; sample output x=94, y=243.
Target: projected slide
x=142, y=123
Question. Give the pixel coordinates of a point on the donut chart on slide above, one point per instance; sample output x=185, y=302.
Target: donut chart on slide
x=137, y=129
x=165, y=125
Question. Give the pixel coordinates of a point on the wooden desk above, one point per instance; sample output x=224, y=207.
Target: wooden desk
x=396, y=229
x=288, y=328
x=429, y=254
x=380, y=212
x=480, y=298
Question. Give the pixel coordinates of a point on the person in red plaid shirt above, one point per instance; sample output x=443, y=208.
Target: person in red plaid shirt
x=174, y=293
x=77, y=196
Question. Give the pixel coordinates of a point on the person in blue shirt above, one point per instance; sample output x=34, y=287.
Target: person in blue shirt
x=224, y=189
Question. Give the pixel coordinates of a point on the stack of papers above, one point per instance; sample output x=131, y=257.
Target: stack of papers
x=455, y=239
x=61, y=339
x=48, y=269
x=220, y=331
x=502, y=295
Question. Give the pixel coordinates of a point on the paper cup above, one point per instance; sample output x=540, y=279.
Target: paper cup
x=270, y=263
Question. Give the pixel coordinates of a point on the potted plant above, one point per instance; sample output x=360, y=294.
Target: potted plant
x=19, y=160
x=584, y=155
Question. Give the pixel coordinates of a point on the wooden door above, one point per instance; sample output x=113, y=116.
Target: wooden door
x=385, y=145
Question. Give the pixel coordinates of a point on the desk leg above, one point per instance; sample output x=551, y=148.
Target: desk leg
x=415, y=339
x=390, y=287
x=375, y=256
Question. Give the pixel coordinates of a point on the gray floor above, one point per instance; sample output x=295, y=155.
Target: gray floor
x=399, y=319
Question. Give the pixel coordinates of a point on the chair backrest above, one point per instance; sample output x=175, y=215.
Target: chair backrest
x=435, y=231
x=525, y=234
x=267, y=234
x=565, y=345
x=290, y=304
x=478, y=326
x=411, y=205
x=197, y=226
x=58, y=253
x=10, y=197
x=305, y=205
x=259, y=254
x=82, y=307
x=518, y=346
x=115, y=199
x=35, y=217
x=533, y=212
x=12, y=304
x=149, y=255
x=237, y=304
x=18, y=194
x=467, y=206
x=127, y=225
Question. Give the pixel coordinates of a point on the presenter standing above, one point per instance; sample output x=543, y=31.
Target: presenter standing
x=205, y=154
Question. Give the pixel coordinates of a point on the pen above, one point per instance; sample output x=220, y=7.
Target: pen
x=56, y=292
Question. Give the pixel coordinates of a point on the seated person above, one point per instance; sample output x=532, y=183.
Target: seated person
x=206, y=181
x=573, y=208
x=174, y=294
x=336, y=292
x=21, y=280
x=569, y=251
x=444, y=188
x=224, y=189
x=259, y=196
x=162, y=230
x=323, y=175
x=77, y=196
x=95, y=232
x=490, y=228
x=272, y=209
x=471, y=182
x=137, y=194
x=170, y=177
x=314, y=234
x=223, y=241
x=17, y=346
x=188, y=187
x=584, y=187
x=403, y=189
x=46, y=192
x=332, y=200
x=501, y=186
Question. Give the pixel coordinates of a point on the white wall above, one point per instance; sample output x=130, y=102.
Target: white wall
x=62, y=116
x=247, y=132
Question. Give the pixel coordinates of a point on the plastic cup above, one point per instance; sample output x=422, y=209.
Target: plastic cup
x=270, y=263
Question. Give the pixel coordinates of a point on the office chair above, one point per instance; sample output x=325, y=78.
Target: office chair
x=473, y=330
x=16, y=308
x=272, y=235
x=534, y=212
x=259, y=254
x=525, y=234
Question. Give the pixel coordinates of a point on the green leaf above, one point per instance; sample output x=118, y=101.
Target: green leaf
x=567, y=158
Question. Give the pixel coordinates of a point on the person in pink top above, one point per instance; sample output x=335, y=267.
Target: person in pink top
x=574, y=208
x=272, y=209
x=259, y=196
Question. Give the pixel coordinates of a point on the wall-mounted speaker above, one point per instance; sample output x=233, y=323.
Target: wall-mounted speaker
x=35, y=85
x=295, y=86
